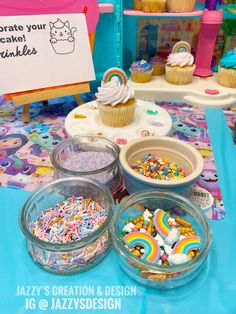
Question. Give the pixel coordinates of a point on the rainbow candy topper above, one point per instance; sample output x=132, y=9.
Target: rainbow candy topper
x=186, y=245
x=150, y=245
x=181, y=46
x=115, y=72
x=160, y=222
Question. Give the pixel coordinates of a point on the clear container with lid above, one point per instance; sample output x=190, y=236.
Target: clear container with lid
x=75, y=256
x=101, y=164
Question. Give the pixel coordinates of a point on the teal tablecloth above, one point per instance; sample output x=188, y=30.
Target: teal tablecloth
x=214, y=291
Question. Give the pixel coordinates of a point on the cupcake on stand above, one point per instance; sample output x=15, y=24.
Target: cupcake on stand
x=227, y=69
x=141, y=71
x=180, y=64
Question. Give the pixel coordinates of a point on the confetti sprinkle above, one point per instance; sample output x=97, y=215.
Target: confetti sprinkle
x=156, y=168
x=152, y=112
x=79, y=116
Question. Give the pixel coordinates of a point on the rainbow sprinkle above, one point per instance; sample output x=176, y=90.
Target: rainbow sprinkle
x=156, y=168
x=187, y=244
x=160, y=222
x=150, y=245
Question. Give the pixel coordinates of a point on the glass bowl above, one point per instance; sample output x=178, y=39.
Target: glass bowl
x=74, y=256
x=109, y=175
x=154, y=275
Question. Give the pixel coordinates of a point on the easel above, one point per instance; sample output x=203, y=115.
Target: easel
x=91, y=11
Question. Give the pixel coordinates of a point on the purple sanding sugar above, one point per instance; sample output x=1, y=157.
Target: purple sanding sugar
x=88, y=161
x=91, y=160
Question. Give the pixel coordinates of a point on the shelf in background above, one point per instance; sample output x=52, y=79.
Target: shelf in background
x=106, y=8
x=193, y=94
x=195, y=13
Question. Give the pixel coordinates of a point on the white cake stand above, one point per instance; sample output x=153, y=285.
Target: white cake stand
x=149, y=120
x=202, y=92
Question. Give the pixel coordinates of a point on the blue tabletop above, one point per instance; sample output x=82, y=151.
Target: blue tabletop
x=26, y=288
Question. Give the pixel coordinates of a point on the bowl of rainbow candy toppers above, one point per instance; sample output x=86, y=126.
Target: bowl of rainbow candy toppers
x=161, y=238
x=66, y=225
x=160, y=163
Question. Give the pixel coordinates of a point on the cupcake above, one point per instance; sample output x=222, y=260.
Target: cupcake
x=180, y=64
x=141, y=71
x=180, y=5
x=227, y=69
x=154, y=6
x=158, y=64
x=116, y=103
x=138, y=5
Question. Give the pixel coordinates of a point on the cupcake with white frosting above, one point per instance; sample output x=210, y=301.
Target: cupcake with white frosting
x=116, y=103
x=180, y=64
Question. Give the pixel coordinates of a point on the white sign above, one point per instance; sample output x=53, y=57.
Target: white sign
x=40, y=51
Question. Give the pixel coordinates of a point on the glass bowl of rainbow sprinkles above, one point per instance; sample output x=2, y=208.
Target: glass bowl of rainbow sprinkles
x=66, y=225
x=161, y=238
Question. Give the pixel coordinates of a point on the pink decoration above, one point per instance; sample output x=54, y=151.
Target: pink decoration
x=206, y=43
x=37, y=7
x=212, y=91
x=164, y=257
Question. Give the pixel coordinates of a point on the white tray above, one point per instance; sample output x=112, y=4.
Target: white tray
x=195, y=94
x=149, y=120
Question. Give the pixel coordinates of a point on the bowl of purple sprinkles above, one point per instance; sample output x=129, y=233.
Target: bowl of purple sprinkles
x=88, y=156
x=66, y=224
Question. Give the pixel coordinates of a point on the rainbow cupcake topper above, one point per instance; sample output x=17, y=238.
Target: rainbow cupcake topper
x=150, y=245
x=181, y=46
x=160, y=222
x=115, y=72
x=187, y=244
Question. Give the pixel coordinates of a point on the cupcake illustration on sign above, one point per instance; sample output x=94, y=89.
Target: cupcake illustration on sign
x=62, y=37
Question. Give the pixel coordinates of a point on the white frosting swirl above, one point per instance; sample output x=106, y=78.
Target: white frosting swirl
x=180, y=59
x=113, y=93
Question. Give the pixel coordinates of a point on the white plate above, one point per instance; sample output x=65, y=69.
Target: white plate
x=149, y=120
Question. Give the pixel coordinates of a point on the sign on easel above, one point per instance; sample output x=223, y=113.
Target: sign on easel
x=40, y=51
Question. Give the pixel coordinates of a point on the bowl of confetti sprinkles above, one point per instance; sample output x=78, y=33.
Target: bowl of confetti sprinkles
x=66, y=225
x=88, y=156
x=161, y=238
x=161, y=163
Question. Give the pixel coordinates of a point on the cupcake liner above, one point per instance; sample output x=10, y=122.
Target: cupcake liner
x=226, y=77
x=138, y=5
x=158, y=69
x=141, y=77
x=154, y=6
x=119, y=115
x=179, y=76
x=180, y=5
